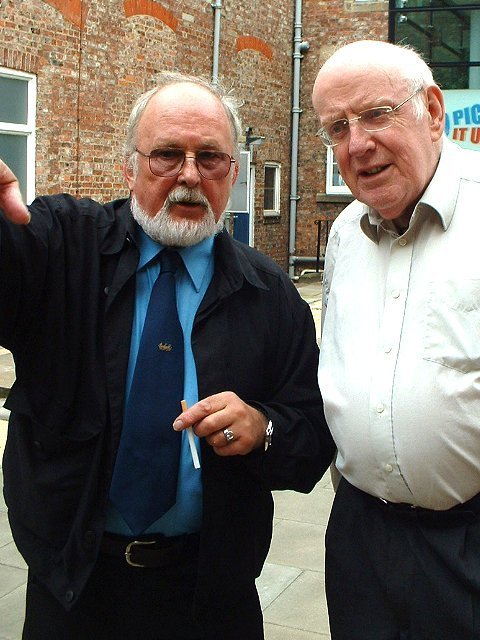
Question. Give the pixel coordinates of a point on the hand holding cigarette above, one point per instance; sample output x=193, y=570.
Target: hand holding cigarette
x=228, y=424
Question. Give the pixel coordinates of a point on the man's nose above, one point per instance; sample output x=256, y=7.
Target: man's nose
x=359, y=140
x=189, y=173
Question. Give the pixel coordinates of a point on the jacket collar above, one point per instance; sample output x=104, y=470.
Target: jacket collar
x=232, y=266
x=123, y=230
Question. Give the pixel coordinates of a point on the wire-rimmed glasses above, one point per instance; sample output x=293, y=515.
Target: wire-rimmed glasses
x=166, y=163
x=374, y=119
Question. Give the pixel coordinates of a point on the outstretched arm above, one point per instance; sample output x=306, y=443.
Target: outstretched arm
x=11, y=202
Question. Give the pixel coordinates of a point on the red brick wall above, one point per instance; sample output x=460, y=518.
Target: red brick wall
x=328, y=24
x=92, y=58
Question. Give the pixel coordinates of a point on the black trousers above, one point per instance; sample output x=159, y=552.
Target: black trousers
x=393, y=575
x=121, y=602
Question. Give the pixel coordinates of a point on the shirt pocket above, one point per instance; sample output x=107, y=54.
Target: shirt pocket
x=452, y=324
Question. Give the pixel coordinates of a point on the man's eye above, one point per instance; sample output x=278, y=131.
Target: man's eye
x=209, y=156
x=375, y=115
x=167, y=154
x=337, y=128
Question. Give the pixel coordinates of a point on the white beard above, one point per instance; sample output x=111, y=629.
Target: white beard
x=173, y=232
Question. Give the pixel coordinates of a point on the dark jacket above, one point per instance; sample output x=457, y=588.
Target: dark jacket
x=66, y=292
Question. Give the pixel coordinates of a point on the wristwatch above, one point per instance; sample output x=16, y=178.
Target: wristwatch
x=268, y=434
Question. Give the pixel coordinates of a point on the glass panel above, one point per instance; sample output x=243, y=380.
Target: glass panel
x=442, y=37
x=13, y=151
x=269, y=189
x=437, y=4
x=13, y=100
x=239, y=194
x=336, y=177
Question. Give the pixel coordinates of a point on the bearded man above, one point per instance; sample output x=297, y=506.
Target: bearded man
x=139, y=517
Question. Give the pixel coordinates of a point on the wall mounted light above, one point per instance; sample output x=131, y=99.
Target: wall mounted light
x=251, y=140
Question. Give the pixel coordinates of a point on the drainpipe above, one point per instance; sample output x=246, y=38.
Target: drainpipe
x=217, y=9
x=298, y=49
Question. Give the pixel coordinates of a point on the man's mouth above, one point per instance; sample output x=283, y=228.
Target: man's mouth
x=372, y=172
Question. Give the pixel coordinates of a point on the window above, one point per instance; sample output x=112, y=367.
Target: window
x=335, y=183
x=271, y=194
x=365, y=5
x=446, y=33
x=17, y=127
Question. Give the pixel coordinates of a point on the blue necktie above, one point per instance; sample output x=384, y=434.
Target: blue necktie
x=144, y=482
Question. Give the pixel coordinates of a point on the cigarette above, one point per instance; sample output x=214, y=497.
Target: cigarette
x=191, y=440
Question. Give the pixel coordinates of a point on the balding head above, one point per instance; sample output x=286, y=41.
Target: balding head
x=401, y=61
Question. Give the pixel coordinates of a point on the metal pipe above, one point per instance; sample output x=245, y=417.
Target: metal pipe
x=302, y=259
x=217, y=8
x=298, y=48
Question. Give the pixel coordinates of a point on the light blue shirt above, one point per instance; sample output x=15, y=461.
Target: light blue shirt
x=191, y=284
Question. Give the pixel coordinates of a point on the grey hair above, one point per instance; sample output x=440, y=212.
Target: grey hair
x=228, y=101
x=417, y=74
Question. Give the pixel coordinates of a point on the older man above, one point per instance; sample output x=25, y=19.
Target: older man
x=134, y=525
x=400, y=362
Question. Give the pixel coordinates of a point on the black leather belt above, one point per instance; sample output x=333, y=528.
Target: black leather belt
x=459, y=514
x=152, y=551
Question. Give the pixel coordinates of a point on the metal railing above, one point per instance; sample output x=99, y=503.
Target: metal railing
x=323, y=229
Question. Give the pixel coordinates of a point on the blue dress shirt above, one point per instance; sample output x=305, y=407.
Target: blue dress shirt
x=192, y=282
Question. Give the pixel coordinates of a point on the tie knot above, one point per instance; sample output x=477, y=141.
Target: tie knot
x=170, y=260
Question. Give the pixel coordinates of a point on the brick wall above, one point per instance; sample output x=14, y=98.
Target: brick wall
x=92, y=58
x=328, y=24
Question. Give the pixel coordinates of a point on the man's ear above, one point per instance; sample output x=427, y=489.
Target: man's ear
x=128, y=174
x=436, y=112
x=236, y=169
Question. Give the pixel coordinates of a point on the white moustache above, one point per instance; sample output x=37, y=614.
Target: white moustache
x=184, y=194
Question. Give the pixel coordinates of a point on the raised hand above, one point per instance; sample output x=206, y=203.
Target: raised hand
x=11, y=202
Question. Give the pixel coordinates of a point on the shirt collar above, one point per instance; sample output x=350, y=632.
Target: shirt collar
x=439, y=198
x=196, y=258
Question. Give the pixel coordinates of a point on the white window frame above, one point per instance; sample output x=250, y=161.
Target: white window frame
x=334, y=182
x=26, y=130
x=275, y=212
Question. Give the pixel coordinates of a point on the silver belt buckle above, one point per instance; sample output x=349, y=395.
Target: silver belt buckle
x=128, y=551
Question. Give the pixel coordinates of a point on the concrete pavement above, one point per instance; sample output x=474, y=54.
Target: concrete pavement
x=291, y=586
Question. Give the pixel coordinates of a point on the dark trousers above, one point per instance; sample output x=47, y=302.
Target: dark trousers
x=393, y=575
x=129, y=603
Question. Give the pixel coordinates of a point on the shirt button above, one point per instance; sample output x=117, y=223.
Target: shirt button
x=380, y=408
x=402, y=242
x=387, y=348
x=395, y=293
x=69, y=596
x=388, y=468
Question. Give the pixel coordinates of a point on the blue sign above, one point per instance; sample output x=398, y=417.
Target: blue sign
x=462, y=117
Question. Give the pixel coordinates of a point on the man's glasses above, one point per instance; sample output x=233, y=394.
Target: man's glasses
x=375, y=119
x=166, y=163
